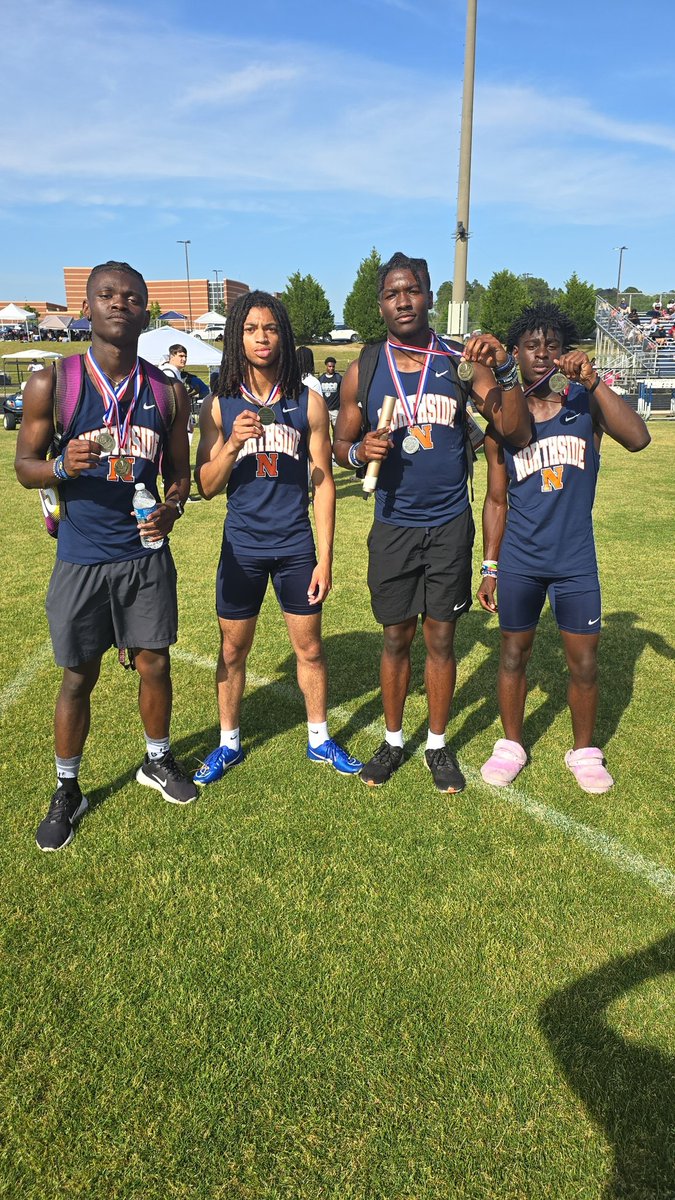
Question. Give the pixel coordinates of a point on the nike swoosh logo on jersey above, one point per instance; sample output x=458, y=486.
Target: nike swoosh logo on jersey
x=147, y=406
x=440, y=374
x=458, y=606
x=569, y=417
x=295, y=409
x=594, y=622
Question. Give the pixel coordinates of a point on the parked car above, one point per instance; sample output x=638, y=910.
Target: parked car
x=209, y=333
x=12, y=410
x=342, y=333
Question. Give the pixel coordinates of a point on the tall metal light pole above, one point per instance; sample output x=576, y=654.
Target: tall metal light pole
x=618, y=282
x=219, y=297
x=186, y=242
x=458, y=313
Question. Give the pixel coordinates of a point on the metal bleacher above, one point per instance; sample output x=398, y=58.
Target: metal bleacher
x=643, y=370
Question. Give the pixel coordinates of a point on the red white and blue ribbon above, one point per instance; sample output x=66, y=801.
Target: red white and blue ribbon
x=113, y=394
x=428, y=353
x=271, y=399
x=544, y=379
x=446, y=352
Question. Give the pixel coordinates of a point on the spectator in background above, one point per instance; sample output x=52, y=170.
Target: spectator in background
x=194, y=386
x=306, y=364
x=330, y=386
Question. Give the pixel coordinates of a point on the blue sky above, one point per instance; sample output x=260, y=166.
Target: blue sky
x=282, y=136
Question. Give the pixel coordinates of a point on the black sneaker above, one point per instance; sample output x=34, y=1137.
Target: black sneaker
x=166, y=776
x=67, y=806
x=382, y=765
x=445, y=770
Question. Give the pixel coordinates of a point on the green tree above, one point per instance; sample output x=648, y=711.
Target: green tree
x=155, y=311
x=221, y=308
x=308, y=308
x=438, y=316
x=539, y=291
x=474, y=294
x=361, y=306
x=504, y=300
x=578, y=301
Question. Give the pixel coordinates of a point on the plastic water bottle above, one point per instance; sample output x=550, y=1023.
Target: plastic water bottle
x=144, y=505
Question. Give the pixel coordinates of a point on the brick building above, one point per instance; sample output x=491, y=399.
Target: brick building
x=170, y=294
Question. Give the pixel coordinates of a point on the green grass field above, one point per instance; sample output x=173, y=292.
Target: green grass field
x=303, y=988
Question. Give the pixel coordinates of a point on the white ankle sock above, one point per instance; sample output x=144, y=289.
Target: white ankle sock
x=230, y=738
x=156, y=749
x=435, y=741
x=317, y=732
x=394, y=739
x=67, y=768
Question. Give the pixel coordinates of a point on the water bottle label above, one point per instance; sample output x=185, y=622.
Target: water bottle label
x=142, y=514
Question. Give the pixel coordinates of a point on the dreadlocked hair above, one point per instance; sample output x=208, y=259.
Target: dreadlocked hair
x=401, y=262
x=234, y=365
x=544, y=317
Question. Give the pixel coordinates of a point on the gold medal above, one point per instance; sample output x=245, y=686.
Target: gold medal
x=106, y=441
x=124, y=469
x=465, y=370
x=558, y=382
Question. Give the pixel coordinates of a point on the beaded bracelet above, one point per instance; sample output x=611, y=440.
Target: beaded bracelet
x=489, y=567
x=506, y=367
x=60, y=469
x=351, y=456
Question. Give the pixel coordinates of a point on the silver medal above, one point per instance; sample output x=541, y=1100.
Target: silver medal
x=106, y=441
x=410, y=444
x=465, y=370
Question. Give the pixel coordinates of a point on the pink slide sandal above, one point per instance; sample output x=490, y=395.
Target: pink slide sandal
x=507, y=760
x=589, y=770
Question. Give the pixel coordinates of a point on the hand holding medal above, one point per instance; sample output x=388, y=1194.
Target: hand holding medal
x=577, y=366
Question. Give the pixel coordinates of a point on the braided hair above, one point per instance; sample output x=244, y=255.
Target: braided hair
x=401, y=262
x=544, y=317
x=234, y=365
x=117, y=266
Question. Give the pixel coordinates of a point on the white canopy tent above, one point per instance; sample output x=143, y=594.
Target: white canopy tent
x=154, y=346
x=12, y=312
x=54, y=321
x=212, y=318
x=25, y=356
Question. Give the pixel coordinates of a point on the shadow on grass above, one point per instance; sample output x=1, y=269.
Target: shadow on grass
x=627, y=1088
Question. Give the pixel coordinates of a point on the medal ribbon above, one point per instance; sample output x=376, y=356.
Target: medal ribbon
x=445, y=353
x=113, y=395
x=271, y=399
x=544, y=379
x=411, y=413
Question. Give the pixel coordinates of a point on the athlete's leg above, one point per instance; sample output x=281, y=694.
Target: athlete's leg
x=73, y=708
x=155, y=692
x=440, y=670
x=514, y=656
x=395, y=671
x=305, y=634
x=581, y=652
x=236, y=639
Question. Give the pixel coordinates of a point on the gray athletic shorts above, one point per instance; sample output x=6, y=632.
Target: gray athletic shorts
x=93, y=606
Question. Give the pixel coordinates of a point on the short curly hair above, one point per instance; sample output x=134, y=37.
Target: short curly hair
x=543, y=317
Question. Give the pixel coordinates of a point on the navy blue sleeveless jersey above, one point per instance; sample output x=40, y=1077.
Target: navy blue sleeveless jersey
x=96, y=523
x=267, y=493
x=551, y=489
x=428, y=488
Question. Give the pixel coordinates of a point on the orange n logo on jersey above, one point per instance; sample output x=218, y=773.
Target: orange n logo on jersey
x=423, y=435
x=552, y=479
x=267, y=464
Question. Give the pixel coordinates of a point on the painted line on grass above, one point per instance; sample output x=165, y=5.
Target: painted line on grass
x=23, y=679
x=601, y=844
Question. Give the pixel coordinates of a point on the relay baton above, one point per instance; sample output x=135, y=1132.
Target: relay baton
x=370, y=481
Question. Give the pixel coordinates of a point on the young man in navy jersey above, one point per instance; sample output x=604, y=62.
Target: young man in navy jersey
x=106, y=588
x=258, y=433
x=421, y=540
x=538, y=533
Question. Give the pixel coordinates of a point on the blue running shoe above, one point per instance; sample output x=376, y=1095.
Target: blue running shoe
x=332, y=755
x=217, y=763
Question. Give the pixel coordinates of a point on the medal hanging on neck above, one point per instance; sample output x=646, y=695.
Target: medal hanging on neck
x=464, y=367
x=121, y=465
x=410, y=444
x=265, y=413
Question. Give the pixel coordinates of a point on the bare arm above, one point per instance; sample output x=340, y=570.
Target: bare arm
x=374, y=446
x=37, y=432
x=505, y=409
x=494, y=516
x=216, y=456
x=610, y=413
x=324, y=496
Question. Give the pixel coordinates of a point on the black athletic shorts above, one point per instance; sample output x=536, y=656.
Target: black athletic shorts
x=420, y=570
x=242, y=581
x=93, y=606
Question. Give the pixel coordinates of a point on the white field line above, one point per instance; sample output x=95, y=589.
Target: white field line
x=602, y=844
x=11, y=693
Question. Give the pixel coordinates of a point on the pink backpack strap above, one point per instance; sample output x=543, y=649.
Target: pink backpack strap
x=68, y=391
x=162, y=389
